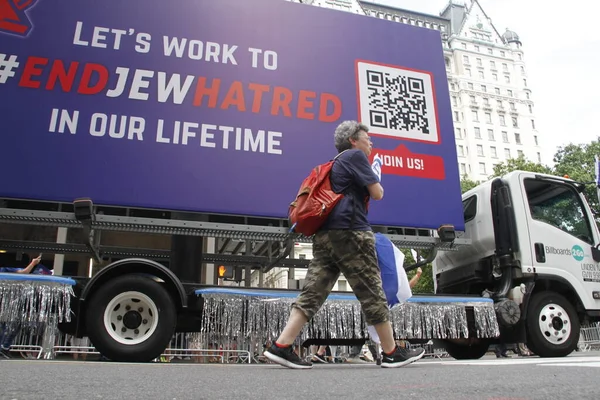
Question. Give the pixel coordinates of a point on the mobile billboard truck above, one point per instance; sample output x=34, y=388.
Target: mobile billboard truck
x=222, y=109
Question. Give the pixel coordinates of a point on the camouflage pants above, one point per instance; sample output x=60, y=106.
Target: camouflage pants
x=353, y=254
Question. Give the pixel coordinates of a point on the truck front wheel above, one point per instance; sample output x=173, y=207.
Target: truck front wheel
x=131, y=318
x=552, y=325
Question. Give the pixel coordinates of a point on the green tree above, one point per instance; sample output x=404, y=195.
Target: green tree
x=578, y=162
x=467, y=184
x=519, y=164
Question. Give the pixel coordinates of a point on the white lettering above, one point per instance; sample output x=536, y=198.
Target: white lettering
x=139, y=83
x=159, y=133
x=122, y=74
x=272, y=142
x=96, y=130
x=77, y=37
x=198, y=50
x=206, y=135
x=175, y=86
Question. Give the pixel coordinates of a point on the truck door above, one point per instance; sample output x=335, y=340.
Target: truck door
x=561, y=235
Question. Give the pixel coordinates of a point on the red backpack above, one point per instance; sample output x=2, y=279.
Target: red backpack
x=315, y=200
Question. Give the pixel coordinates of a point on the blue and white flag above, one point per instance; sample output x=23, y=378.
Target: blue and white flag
x=393, y=276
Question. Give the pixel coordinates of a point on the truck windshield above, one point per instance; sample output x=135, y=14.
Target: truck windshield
x=558, y=205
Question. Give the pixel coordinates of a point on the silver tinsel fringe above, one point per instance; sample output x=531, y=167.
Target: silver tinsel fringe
x=252, y=321
x=29, y=302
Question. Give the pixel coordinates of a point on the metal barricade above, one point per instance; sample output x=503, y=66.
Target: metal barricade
x=589, y=337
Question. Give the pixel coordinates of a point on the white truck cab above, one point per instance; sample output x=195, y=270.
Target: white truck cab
x=535, y=252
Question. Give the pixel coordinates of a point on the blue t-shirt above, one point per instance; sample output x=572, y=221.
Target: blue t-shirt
x=351, y=174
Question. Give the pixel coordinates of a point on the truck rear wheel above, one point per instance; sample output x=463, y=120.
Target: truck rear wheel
x=552, y=325
x=131, y=318
x=472, y=351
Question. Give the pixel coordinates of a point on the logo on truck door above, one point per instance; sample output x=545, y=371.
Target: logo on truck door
x=13, y=19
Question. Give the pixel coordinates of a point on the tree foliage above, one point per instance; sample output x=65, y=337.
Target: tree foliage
x=577, y=161
x=519, y=164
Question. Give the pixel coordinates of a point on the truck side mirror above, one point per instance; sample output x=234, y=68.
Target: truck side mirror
x=596, y=253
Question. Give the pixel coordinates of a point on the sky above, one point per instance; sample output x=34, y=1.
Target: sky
x=562, y=55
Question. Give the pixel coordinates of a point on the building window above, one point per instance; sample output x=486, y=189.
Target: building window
x=482, y=76
x=464, y=45
x=484, y=88
x=486, y=101
x=488, y=118
x=502, y=121
x=527, y=95
x=493, y=64
x=490, y=51
x=499, y=102
x=495, y=77
x=491, y=135
x=478, y=60
x=475, y=116
x=522, y=69
x=466, y=59
x=476, y=48
x=497, y=90
x=477, y=133
x=535, y=140
x=509, y=93
x=454, y=102
x=502, y=54
x=458, y=133
x=468, y=72
x=473, y=99
x=480, y=150
x=515, y=122
x=519, y=153
x=456, y=116
x=507, y=154
x=530, y=109
x=525, y=82
x=512, y=106
x=470, y=85
x=463, y=169
x=493, y=152
x=517, y=138
x=482, y=168
x=520, y=56
x=532, y=124
x=461, y=151
x=539, y=157
x=505, y=137
x=506, y=79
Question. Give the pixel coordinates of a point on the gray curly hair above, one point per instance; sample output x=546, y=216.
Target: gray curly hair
x=345, y=131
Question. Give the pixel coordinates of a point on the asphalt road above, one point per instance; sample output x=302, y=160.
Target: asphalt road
x=573, y=377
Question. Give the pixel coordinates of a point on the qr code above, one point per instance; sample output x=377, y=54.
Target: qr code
x=397, y=102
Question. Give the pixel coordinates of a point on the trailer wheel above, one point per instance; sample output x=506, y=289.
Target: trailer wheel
x=131, y=318
x=472, y=351
x=552, y=325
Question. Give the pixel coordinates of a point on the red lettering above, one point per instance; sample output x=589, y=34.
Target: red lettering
x=202, y=90
x=30, y=70
x=325, y=99
x=258, y=92
x=305, y=102
x=86, y=78
x=235, y=97
x=60, y=74
x=282, y=97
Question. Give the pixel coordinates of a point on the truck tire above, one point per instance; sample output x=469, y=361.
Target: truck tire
x=467, y=351
x=552, y=325
x=131, y=318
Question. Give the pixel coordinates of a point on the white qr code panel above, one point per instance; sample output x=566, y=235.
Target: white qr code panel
x=397, y=102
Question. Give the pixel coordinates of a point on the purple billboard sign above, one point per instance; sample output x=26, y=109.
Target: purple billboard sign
x=218, y=106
